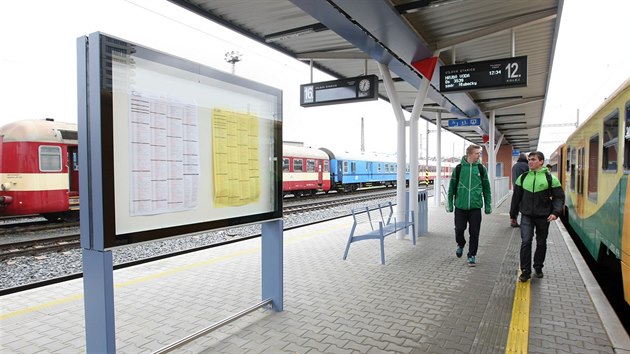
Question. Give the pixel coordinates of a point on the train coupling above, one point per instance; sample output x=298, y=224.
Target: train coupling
x=5, y=200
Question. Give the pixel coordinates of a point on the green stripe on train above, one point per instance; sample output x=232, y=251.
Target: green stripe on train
x=605, y=225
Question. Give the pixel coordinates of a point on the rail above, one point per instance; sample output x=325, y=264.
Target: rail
x=501, y=190
x=211, y=328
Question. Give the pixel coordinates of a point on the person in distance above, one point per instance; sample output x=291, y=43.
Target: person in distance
x=518, y=169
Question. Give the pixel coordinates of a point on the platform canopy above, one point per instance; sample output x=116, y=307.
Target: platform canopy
x=346, y=38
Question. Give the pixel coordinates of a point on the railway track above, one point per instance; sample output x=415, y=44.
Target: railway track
x=37, y=247
x=31, y=239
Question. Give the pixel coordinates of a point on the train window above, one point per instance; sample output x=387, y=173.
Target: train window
x=326, y=166
x=379, y=168
x=298, y=165
x=345, y=167
x=353, y=167
x=310, y=165
x=50, y=158
x=593, y=163
x=626, y=147
x=285, y=165
x=568, y=157
x=610, y=141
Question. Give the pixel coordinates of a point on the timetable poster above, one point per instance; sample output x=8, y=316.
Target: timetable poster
x=164, y=155
x=235, y=158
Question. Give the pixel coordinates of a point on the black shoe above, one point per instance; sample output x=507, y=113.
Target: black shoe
x=459, y=251
x=538, y=273
x=524, y=277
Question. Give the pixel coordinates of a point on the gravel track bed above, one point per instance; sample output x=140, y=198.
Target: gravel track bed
x=24, y=270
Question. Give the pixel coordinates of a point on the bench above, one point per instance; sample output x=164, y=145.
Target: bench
x=376, y=222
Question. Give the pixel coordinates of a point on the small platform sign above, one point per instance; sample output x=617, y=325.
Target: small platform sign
x=497, y=74
x=468, y=122
x=361, y=88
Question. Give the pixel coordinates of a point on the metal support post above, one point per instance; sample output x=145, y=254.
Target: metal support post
x=413, y=147
x=492, y=157
x=437, y=182
x=400, y=138
x=272, y=263
x=98, y=292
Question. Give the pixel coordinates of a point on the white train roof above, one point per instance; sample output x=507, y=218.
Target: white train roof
x=42, y=130
x=301, y=151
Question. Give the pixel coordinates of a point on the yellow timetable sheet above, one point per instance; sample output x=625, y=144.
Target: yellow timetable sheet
x=235, y=158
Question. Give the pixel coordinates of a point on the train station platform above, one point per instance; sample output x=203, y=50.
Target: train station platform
x=423, y=300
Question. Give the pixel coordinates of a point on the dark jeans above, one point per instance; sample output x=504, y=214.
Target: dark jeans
x=470, y=218
x=528, y=224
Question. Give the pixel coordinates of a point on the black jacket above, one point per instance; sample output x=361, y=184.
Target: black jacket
x=533, y=198
x=519, y=167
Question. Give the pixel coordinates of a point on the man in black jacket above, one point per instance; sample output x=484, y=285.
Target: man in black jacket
x=518, y=169
x=539, y=197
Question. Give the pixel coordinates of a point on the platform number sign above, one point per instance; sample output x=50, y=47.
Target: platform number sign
x=307, y=92
x=490, y=74
x=361, y=88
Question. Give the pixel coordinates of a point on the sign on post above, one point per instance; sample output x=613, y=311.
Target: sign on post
x=498, y=73
x=466, y=122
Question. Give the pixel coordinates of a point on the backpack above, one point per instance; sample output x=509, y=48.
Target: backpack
x=458, y=170
x=547, y=174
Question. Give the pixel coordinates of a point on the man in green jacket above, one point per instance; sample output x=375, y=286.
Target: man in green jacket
x=469, y=191
x=539, y=197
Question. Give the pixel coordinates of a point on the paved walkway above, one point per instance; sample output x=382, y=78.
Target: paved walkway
x=423, y=300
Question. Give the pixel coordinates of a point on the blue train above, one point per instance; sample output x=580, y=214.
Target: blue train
x=307, y=171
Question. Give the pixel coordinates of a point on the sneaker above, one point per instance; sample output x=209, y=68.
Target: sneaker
x=524, y=277
x=538, y=273
x=459, y=251
x=472, y=261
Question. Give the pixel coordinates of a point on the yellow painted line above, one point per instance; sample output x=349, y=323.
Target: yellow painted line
x=30, y=309
x=168, y=272
x=518, y=335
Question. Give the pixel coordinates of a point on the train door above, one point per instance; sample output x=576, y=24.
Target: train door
x=320, y=172
x=580, y=183
x=73, y=169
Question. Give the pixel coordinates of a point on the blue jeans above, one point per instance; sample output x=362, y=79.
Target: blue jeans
x=528, y=224
x=471, y=218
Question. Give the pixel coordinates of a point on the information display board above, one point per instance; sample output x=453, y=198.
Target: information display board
x=184, y=147
x=499, y=73
x=361, y=88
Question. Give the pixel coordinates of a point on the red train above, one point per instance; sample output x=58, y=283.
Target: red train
x=39, y=170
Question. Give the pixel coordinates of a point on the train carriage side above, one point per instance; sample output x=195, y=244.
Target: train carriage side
x=350, y=172
x=39, y=169
x=596, y=183
x=305, y=171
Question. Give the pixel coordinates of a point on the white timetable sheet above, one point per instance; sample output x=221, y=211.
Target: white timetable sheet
x=164, y=155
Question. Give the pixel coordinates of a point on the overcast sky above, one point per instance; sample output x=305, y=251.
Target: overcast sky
x=38, y=66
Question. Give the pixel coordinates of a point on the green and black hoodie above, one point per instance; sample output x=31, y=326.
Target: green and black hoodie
x=534, y=197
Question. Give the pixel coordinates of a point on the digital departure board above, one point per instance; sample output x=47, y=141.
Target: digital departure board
x=361, y=88
x=499, y=73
